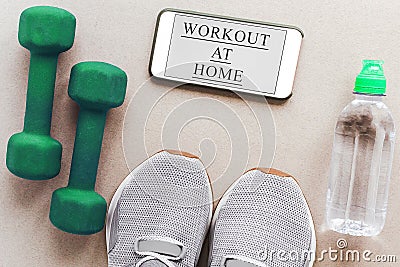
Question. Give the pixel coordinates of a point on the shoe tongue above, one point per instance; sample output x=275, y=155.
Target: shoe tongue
x=238, y=263
x=164, y=248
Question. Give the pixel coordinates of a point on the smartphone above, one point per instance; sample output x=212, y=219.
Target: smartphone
x=226, y=53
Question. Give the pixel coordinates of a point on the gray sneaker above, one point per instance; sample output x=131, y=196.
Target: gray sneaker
x=262, y=220
x=160, y=214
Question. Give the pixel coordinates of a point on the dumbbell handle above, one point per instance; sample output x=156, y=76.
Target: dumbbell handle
x=40, y=94
x=87, y=148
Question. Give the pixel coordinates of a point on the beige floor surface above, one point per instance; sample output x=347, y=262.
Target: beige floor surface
x=338, y=35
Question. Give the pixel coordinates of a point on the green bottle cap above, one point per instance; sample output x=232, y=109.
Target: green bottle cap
x=371, y=79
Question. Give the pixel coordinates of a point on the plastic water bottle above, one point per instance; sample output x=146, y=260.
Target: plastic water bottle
x=362, y=158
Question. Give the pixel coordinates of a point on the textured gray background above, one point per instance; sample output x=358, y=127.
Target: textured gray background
x=338, y=35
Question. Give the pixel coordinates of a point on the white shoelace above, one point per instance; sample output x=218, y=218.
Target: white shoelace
x=151, y=255
x=155, y=256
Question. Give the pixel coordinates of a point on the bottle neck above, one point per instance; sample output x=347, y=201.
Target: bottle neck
x=366, y=97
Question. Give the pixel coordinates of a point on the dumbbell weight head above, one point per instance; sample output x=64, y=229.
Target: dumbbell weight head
x=96, y=87
x=78, y=211
x=46, y=30
x=33, y=156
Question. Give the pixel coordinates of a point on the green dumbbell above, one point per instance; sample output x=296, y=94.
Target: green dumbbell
x=46, y=32
x=96, y=87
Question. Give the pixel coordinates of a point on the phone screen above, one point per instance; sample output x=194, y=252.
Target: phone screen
x=225, y=53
